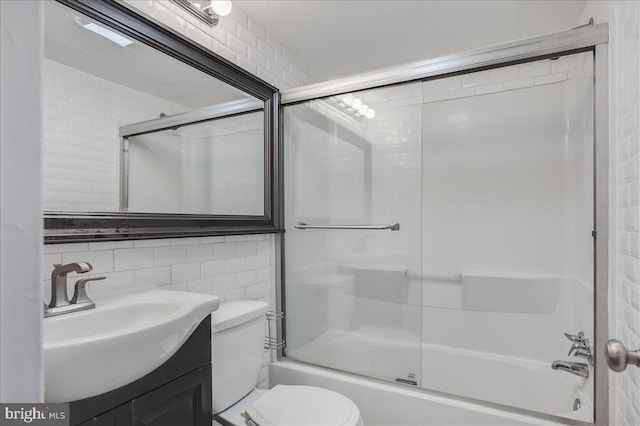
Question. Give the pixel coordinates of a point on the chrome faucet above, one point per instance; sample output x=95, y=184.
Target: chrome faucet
x=582, y=350
x=578, y=368
x=581, y=347
x=60, y=303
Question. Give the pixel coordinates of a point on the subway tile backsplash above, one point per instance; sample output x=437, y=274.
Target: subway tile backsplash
x=232, y=267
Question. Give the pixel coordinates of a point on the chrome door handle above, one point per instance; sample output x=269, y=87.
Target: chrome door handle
x=618, y=356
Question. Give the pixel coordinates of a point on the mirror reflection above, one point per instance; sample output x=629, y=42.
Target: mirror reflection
x=212, y=167
x=97, y=82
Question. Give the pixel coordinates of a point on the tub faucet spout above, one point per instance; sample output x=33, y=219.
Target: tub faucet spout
x=578, y=368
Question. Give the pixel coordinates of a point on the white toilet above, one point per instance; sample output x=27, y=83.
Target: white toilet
x=237, y=351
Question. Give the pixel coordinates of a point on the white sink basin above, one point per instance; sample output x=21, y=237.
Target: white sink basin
x=91, y=352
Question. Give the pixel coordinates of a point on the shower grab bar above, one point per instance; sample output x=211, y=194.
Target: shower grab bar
x=392, y=226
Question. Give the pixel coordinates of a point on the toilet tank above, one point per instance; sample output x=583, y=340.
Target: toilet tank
x=237, y=347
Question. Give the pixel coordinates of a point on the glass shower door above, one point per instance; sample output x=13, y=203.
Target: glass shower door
x=490, y=178
x=507, y=234
x=353, y=241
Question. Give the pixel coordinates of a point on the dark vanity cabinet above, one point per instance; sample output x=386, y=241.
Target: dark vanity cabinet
x=178, y=393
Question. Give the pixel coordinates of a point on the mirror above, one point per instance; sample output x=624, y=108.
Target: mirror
x=147, y=134
x=220, y=170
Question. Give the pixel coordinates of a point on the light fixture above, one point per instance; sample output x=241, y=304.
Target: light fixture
x=353, y=106
x=208, y=11
x=111, y=35
x=220, y=7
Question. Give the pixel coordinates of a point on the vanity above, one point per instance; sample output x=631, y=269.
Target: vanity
x=142, y=358
x=176, y=393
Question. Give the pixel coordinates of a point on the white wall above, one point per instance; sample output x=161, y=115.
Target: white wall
x=624, y=243
x=20, y=212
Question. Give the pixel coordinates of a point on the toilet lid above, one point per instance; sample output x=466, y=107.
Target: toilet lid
x=287, y=405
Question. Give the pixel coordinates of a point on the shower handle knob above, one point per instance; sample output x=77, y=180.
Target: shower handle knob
x=618, y=356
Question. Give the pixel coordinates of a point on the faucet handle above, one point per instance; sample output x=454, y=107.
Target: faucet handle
x=582, y=350
x=586, y=354
x=80, y=291
x=583, y=354
x=575, y=338
x=579, y=345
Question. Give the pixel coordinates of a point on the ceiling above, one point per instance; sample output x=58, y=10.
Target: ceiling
x=339, y=38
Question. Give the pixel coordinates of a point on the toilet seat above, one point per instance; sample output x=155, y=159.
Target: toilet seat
x=290, y=405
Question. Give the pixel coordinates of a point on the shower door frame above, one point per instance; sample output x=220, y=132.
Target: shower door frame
x=592, y=38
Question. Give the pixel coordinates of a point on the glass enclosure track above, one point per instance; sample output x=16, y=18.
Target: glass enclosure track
x=486, y=57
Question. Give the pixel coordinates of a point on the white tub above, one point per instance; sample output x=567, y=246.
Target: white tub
x=507, y=380
x=389, y=404
x=490, y=345
x=511, y=381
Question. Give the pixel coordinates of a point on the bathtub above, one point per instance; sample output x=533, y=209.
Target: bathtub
x=471, y=338
x=512, y=381
x=388, y=404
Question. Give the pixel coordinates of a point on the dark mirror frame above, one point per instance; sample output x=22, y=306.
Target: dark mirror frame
x=71, y=226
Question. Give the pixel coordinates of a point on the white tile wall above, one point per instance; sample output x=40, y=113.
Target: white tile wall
x=81, y=117
x=624, y=140
x=234, y=267
x=238, y=38
x=507, y=78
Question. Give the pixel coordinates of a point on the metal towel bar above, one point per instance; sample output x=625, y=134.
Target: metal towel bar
x=393, y=226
